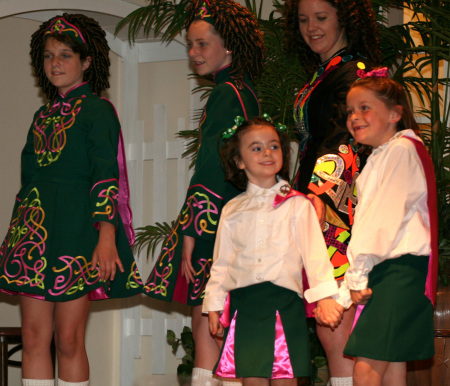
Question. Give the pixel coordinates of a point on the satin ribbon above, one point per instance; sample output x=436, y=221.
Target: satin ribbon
x=427, y=164
x=280, y=199
x=124, y=192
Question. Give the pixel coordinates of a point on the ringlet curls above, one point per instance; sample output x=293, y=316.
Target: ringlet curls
x=239, y=30
x=95, y=46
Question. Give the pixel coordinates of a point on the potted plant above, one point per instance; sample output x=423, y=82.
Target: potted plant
x=186, y=341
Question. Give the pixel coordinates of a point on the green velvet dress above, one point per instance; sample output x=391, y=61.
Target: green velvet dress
x=70, y=182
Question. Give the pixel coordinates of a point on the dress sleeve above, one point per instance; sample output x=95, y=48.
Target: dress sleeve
x=28, y=157
x=223, y=253
x=399, y=185
x=102, y=147
x=314, y=254
x=208, y=191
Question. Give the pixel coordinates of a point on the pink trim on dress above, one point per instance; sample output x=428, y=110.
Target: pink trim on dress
x=208, y=190
x=227, y=367
x=358, y=311
x=427, y=164
x=73, y=88
x=282, y=367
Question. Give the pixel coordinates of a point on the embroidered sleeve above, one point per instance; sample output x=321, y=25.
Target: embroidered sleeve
x=104, y=205
x=103, y=139
x=199, y=216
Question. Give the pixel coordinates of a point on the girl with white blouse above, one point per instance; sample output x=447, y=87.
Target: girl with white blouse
x=391, y=270
x=266, y=236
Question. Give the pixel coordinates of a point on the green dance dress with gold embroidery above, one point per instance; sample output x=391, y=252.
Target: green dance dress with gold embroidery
x=70, y=182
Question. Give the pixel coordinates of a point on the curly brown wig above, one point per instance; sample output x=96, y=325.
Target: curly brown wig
x=96, y=47
x=356, y=17
x=240, y=33
x=392, y=94
x=230, y=153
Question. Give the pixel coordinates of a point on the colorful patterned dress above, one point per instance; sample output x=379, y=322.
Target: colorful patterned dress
x=208, y=192
x=70, y=182
x=329, y=162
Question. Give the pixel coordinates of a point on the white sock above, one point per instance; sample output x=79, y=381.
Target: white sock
x=232, y=382
x=341, y=381
x=203, y=377
x=64, y=383
x=38, y=382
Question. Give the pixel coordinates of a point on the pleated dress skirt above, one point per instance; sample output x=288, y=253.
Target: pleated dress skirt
x=396, y=324
x=267, y=336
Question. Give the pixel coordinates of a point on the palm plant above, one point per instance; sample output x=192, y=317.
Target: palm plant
x=425, y=59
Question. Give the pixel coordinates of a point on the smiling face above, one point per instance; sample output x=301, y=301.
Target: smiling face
x=260, y=155
x=319, y=27
x=62, y=66
x=206, y=48
x=370, y=121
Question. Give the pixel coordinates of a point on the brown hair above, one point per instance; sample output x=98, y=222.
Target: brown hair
x=239, y=30
x=392, y=94
x=96, y=47
x=230, y=152
x=357, y=18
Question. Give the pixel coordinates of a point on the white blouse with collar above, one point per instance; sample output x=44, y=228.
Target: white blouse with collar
x=392, y=216
x=258, y=243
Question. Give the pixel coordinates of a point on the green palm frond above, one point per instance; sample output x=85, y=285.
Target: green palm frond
x=152, y=235
x=191, y=138
x=160, y=16
x=282, y=76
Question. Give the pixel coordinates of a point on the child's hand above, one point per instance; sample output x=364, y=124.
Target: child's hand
x=105, y=253
x=187, y=270
x=328, y=312
x=362, y=296
x=215, y=327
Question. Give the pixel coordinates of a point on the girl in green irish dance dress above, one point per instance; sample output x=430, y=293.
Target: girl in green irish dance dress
x=223, y=40
x=69, y=238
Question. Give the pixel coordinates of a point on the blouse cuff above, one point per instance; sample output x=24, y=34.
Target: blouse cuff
x=321, y=291
x=358, y=284
x=343, y=297
x=213, y=303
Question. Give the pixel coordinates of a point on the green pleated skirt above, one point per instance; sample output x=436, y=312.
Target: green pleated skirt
x=396, y=324
x=263, y=315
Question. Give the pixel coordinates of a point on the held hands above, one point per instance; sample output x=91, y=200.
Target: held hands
x=105, y=253
x=362, y=296
x=215, y=327
x=328, y=312
x=187, y=270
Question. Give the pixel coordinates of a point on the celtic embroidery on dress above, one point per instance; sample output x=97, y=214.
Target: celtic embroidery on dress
x=49, y=130
x=73, y=276
x=199, y=211
x=158, y=280
x=22, y=252
x=200, y=278
x=107, y=193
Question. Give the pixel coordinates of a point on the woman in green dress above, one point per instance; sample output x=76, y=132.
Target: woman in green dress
x=70, y=233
